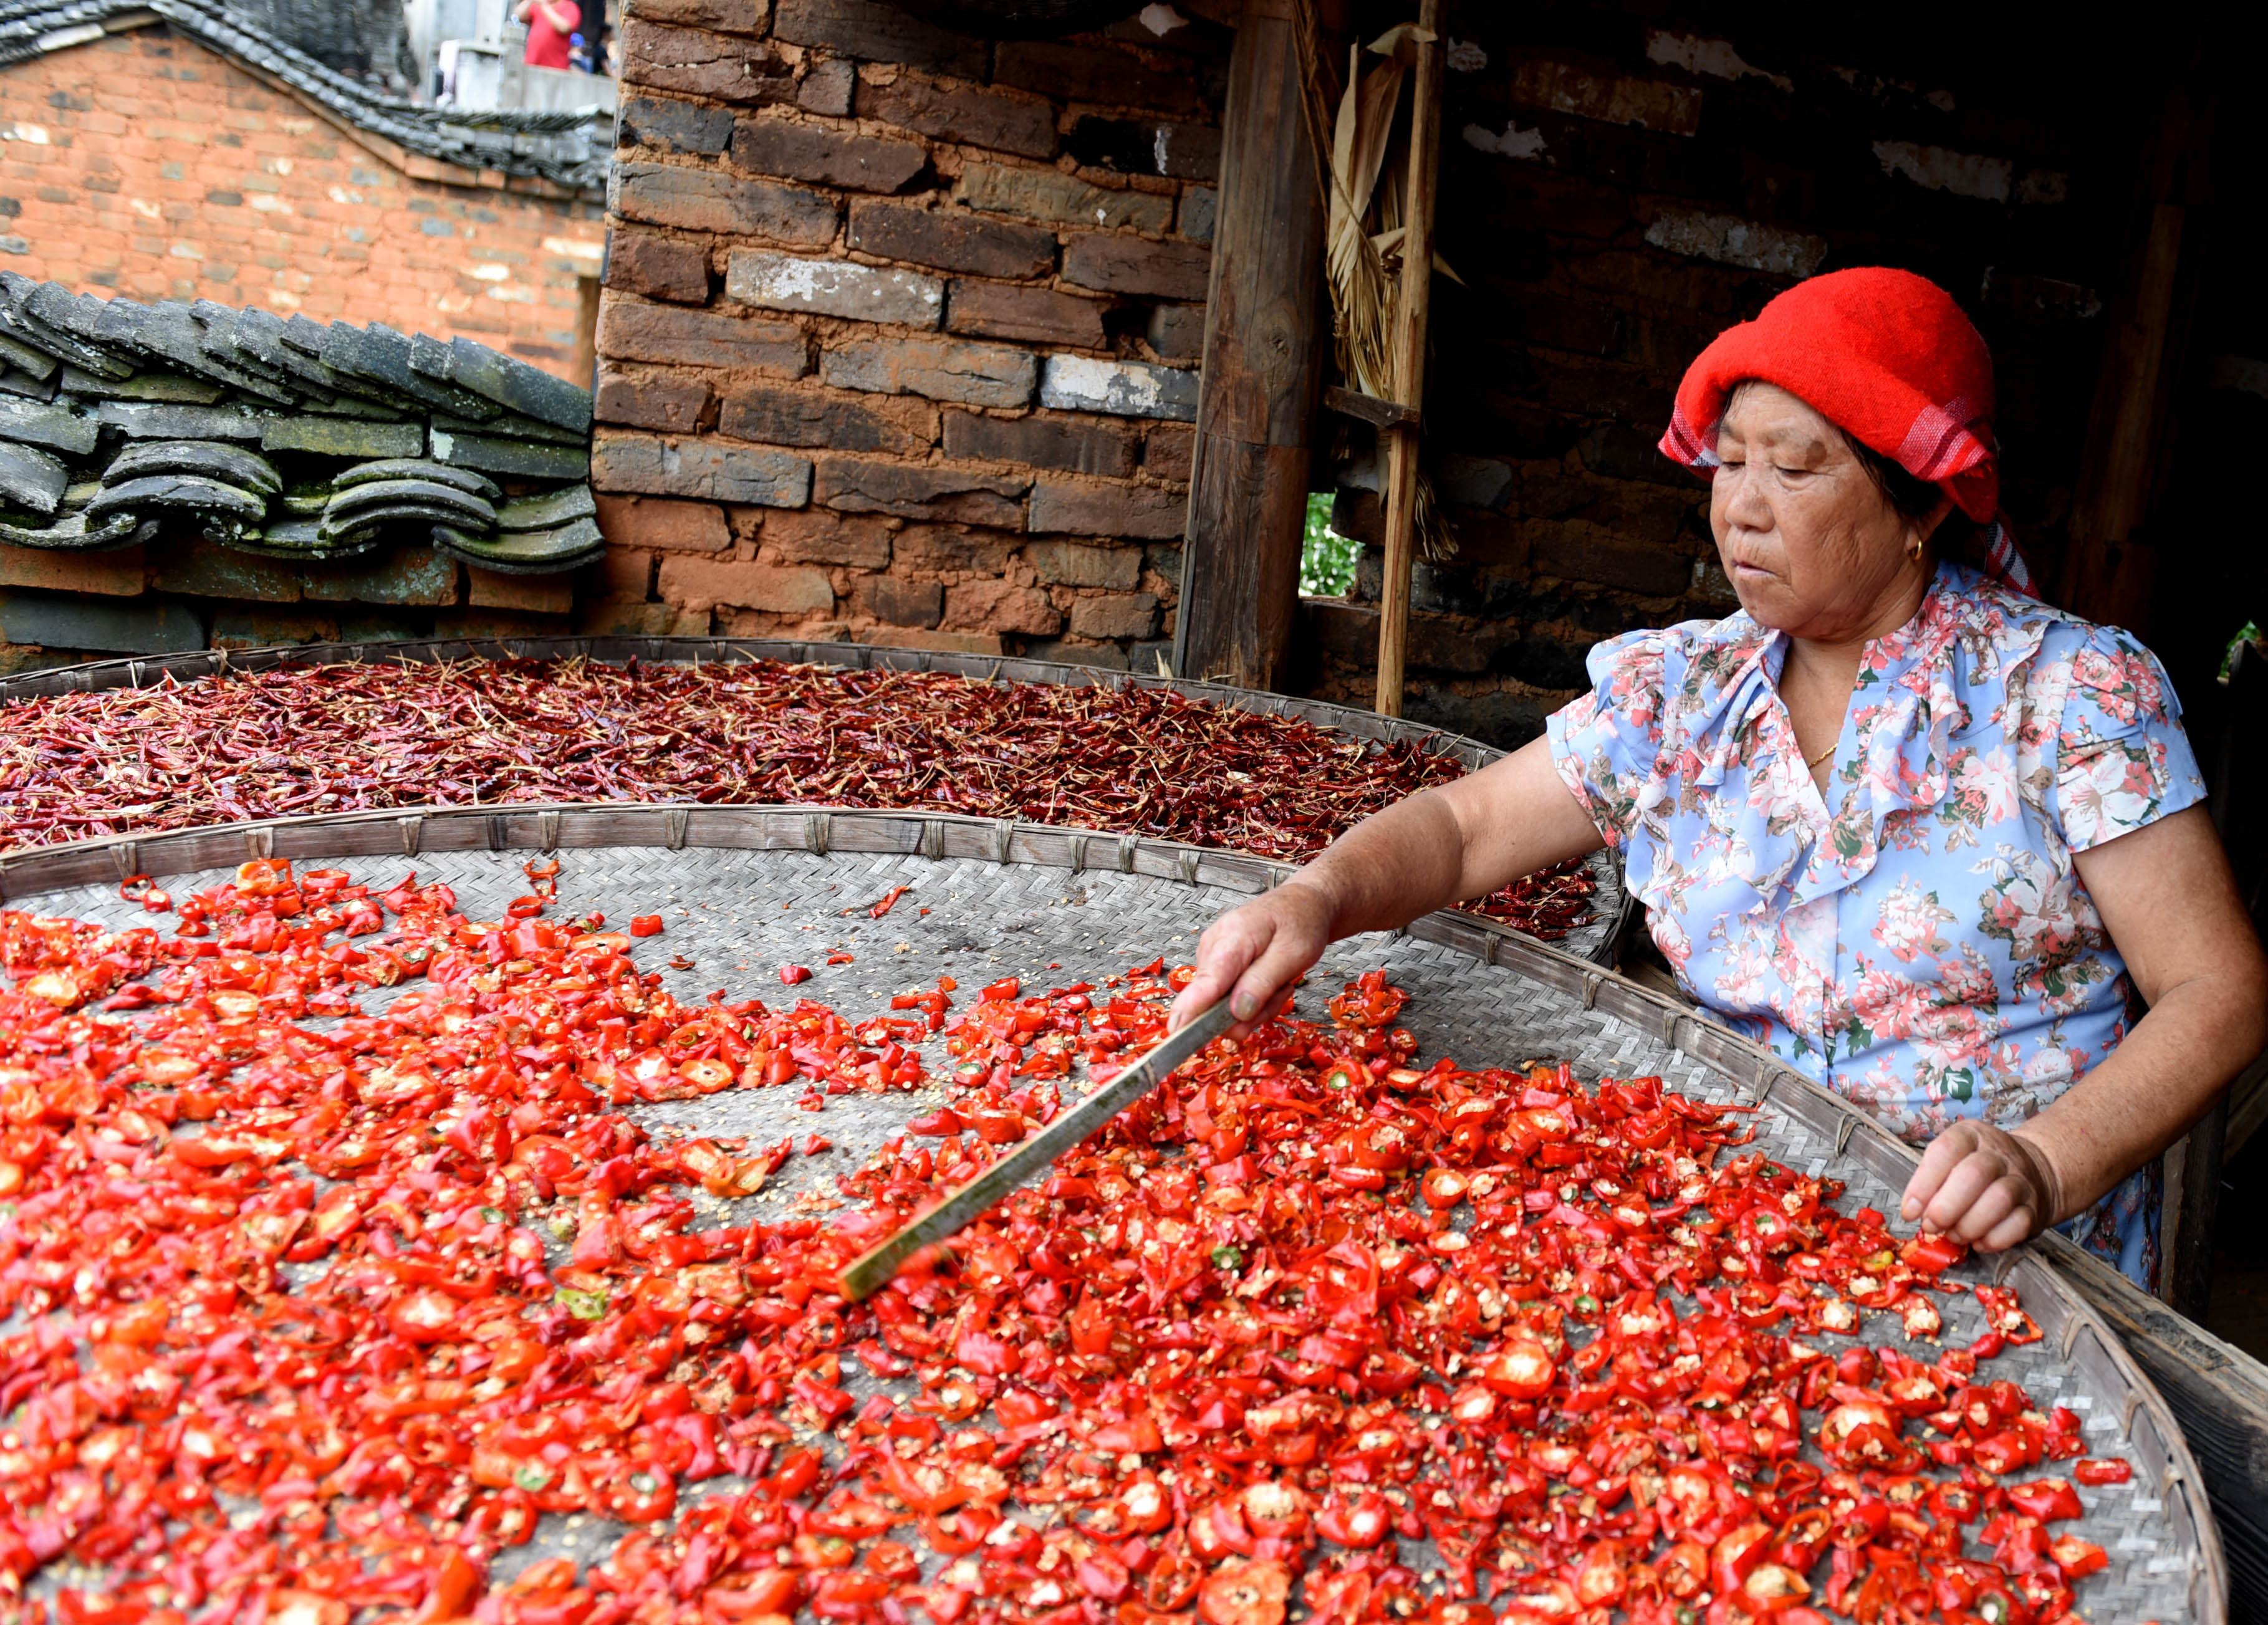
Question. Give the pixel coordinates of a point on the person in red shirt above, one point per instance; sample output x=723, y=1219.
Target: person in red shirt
x=551, y=23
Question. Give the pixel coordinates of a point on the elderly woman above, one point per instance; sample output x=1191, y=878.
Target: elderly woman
x=1916, y=831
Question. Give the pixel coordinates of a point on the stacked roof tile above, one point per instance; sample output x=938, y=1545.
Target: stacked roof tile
x=284, y=438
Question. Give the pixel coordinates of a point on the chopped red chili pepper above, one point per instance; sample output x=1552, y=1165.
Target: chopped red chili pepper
x=1561, y=1330
x=645, y=925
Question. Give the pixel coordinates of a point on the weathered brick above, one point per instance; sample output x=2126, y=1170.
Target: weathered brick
x=895, y=600
x=1134, y=265
x=1124, y=388
x=1051, y=195
x=404, y=576
x=627, y=574
x=1731, y=240
x=659, y=268
x=1611, y=99
x=1163, y=559
x=1096, y=74
x=1077, y=508
x=515, y=455
x=202, y=570
x=658, y=524
x=100, y=629
x=666, y=401
x=1078, y=447
x=950, y=239
x=1170, y=451
x=1622, y=453
x=1062, y=651
x=999, y=607
x=786, y=282
x=672, y=125
x=1176, y=332
x=534, y=595
x=708, y=199
x=672, y=336
x=727, y=16
x=830, y=157
x=115, y=574
x=949, y=642
x=942, y=368
x=1116, y=614
x=835, y=422
x=1350, y=631
x=709, y=469
x=1074, y=564
x=1146, y=147
x=704, y=584
x=852, y=485
x=881, y=34
x=991, y=310
x=1579, y=554
x=605, y=618
x=942, y=549
x=814, y=536
x=702, y=62
x=1200, y=210
x=978, y=118
x=264, y=628
x=827, y=87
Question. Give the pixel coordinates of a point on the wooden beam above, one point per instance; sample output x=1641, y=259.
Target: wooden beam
x=1369, y=408
x=1264, y=353
x=1410, y=311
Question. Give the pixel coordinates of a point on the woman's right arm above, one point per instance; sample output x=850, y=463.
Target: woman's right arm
x=1439, y=847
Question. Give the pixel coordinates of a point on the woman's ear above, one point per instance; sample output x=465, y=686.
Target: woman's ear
x=1918, y=531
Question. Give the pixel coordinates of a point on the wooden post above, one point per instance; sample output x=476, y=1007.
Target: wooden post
x=1263, y=364
x=1410, y=310
x=2108, y=570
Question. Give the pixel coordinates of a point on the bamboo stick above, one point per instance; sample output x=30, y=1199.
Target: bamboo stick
x=1410, y=313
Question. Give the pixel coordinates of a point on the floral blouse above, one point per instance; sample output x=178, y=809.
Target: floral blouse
x=1916, y=939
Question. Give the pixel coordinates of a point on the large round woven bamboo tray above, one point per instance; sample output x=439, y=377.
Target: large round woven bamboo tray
x=743, y=889
x=1596, y=941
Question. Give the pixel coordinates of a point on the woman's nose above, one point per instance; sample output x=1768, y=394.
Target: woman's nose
x=1741, y=500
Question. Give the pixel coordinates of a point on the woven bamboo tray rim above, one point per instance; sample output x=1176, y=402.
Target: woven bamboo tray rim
x=2084, y=1342
x=1616, y=905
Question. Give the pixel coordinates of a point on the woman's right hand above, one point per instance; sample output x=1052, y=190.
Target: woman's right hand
x=1252, y=955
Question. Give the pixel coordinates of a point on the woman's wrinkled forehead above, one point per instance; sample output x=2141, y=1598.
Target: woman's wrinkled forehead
x=1763, y=413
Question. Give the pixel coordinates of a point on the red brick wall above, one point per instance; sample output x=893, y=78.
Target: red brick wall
x=900, y=331
x=145, y=165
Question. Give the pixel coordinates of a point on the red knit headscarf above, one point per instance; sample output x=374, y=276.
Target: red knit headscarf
x=1887, y=357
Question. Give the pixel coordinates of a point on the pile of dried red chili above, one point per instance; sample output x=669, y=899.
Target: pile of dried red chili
x=319, y=1318
x=302, y=739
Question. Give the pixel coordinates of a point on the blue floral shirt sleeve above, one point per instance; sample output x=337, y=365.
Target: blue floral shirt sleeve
x=1605, y=743
x=2121, y=758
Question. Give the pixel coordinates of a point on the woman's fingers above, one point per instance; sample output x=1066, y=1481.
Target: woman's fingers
x=1943, y=1155
x=1979, y=1184
x=1971, y=1177
x=1251, y=955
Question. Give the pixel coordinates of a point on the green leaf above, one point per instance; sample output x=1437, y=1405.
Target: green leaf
x=1327, y=559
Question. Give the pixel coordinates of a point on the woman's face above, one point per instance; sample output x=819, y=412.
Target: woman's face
x=1813, y=546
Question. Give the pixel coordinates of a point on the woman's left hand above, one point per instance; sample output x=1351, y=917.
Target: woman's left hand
x=1983, y=1186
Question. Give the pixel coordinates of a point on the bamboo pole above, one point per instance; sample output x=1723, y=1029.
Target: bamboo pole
x=1409, y=315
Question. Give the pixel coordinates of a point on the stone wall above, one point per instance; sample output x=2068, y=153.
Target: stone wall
x=900, y=330
x=144, y=165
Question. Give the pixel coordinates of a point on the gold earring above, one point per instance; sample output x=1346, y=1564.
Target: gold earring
x=1914, y=552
